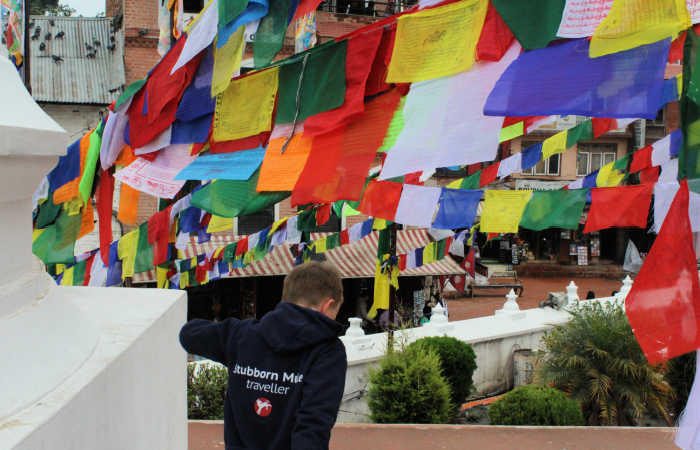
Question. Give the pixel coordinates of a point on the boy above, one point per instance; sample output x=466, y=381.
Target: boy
x=286, y=372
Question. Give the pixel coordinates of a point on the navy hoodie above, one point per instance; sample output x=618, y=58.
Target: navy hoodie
x=286, y=376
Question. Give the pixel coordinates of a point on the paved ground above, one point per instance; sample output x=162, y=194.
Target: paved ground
x=206, y=436
x=536, y=290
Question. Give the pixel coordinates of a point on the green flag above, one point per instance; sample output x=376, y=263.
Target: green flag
x=232, y=198
x=581, y=132
x=561, y=208
x=534, y=22
x=689, y=158
x=472, y=181
x=48, y=212
x=144, y=251
x=229, y=10
x=93, y=155
x=269, y=38
x=129, y=92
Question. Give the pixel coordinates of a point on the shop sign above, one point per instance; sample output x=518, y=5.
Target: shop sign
x=539, y=185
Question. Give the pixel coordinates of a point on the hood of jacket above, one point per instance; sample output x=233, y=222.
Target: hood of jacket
x=290, y=327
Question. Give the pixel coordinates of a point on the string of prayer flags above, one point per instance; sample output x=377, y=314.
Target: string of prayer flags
x=436, y=42
x=340, y=160
x=495, y=38
x=280, y=169
x=573, y=82
x=456, y=208
x=622, y=206
x=503, y=210
x=441, y=115
x=245, y=107
x=580, y=18
x=534, y=23
x=381, y=199
x=417, y=205
x=311, y=83
x=560, y=208
x=232, y=198
x=128, y=204
x=666, y=325
x=358, y=62
x=224, y=166
x=633, y=23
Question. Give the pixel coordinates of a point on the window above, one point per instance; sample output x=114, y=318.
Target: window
x=592, y=157
x=660, y=118
x=548, y=167
x=192, y=6
x=256, y=222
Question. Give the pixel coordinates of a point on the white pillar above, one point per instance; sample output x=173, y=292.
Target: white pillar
x=572, y=293
x=626, y=287
x=510, y=307
x=355, y=329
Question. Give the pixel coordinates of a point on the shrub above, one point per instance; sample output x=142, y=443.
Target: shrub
x=206, y=387
x=458, y=363
x=680, y=375
x=408, y=387
x=536, y=405
x=596, y=359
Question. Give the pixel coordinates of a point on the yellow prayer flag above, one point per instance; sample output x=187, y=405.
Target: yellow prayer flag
x=162, y=281
x=67, y=279
x=429, y=253
x=321, y=245
x=608, y=177
x=60, y=268
x=126, y=250
x=218, y=223
x=73, y=206
x=349, y=210
x=227, y=61
x=245, y=108
x=554, y=144
x=512, y=131
x=382, y=283
x=631, y=23
x=456, y=184
x=184, y=279
x=503, y=211
x=277, y=224
x=37, y=233
x=679, y=84
x=379, y=224
x=436, y=42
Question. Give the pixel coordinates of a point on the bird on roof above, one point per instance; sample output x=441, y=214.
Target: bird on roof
x=60, y=34
x=42, y=47
x=47, y=36
x=91, y=55
x=96, y=43
x=31, y=24
x=56, y=59
x=52, y=22
x=111, y=39
x=111, y=47
x=88, y=47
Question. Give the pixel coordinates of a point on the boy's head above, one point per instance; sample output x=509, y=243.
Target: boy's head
x=315, y=285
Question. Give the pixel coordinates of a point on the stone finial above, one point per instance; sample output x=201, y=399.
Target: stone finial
x=355, y=329
x=626, y=286
x=572, y=293
x=437, y=315
x=510, y=307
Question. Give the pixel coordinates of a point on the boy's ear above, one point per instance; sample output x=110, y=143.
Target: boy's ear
x=329, y=307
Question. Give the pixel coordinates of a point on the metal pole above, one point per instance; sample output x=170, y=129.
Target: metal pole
x=392, y=290
x=26, y=48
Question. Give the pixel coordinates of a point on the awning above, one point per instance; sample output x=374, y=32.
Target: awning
x=356, y=260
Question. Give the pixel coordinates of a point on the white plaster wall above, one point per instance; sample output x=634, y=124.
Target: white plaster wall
x=76, y=119
x=130, y=394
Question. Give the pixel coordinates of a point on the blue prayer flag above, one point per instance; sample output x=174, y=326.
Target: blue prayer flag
x=456, y=208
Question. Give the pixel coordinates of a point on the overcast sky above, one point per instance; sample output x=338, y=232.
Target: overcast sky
x=88, y=8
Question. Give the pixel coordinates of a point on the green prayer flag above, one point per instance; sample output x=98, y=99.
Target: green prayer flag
x=322, y=80
x=56, y=245
x=512, y=131
x=561, y=208
x=383, y=242
x=395, y=127
x=129, y=92
x=48, y=212
x=472, y=181
x=229, y=252
x=307, y=220
x=689, y=158
x=67, y=230
x=333, y=241
x=144, y=251
x=440, y=249
x=93, y=155
x=229, y=10
x=623, y=163
x=79, y=272
x=269, y=38
x=581, y=132
x=534, y=23
x=232, y=198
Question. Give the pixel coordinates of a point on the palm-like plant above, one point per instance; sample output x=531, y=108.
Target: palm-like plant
x=596, y=359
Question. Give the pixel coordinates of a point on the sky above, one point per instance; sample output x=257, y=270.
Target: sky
x=88, y=8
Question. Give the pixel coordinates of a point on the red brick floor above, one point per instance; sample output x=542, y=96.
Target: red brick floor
x=536, y=290
x=206, y=436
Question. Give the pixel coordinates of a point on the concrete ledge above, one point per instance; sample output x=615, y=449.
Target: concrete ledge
x=205, y=435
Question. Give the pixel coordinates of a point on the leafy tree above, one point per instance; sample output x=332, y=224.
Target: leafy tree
x=40, y=7
x=596, y=359
x=536, y=405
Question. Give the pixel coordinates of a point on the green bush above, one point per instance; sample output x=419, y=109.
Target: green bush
x=596, y=359
x=536, y=405
x=458, y=363
x=680, y=375
x=408, y=387
x=205, y=391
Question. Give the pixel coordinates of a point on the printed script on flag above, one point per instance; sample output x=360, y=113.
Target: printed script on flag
x=581, y=17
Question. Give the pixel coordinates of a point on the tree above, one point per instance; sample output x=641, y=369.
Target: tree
x=40, y=7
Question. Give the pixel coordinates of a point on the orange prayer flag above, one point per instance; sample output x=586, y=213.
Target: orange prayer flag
x=280, y=171
x=126, y=157
x=70, y=190
x=128, y=205
x=87, y=224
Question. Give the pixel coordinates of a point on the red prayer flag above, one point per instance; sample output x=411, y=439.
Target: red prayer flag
x=641, y=159
x=88, y=269
x=381, y=198
x=495, y=37
x=358, y=62
x=489, y=174
x=305, y=7
x=402, y=262
x=375, y=81
x=649, y=175
x=602, y=126
x=323, y=214
x=238, y=145
x=103, y=201
x=620, y=206
x=158, y=235
x=344, y=237
x=242, y=246
x=676, y=52
x=468, y=262
x=339, y=161
x=663, y=306
x=473, y=168
x=413, y=178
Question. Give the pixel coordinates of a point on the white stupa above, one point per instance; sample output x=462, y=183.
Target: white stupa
x=80, y=368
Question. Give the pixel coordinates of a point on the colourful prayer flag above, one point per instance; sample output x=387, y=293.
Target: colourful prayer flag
x=621, y=206
x=503, y=210
x=554, y=209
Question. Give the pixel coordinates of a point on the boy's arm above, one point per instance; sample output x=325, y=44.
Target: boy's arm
x=321, y=396
x=208, y=339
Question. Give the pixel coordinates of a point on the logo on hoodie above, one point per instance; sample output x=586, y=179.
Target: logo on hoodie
x=262, y=407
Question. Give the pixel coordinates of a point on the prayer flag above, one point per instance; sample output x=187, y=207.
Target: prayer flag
x=417, y=205
x=641, y=159
x=662, y=150
x=650, y=175
x=689, y=159
x=224, y=166
x=503, y=210
x=269, y=37
x=436, y=42
x=554, y=209
x=128, y=204
x=200, y=34
x=127, y=247
x=456, y=208
x=573, y=82
x=380, y=199
x=93, y=154
x=554, y=145
x=663, y=305
x=376, y=83
x=531, y=156
x=495, y=38
x=534, y=23
x=144, y=251
x=622, y=206
x=245, y=107
x=581, y=132
x=608, y=176
x=632, y=23
x=581, y=17
x=67, y=168
x=489, y=174
x=197, y=101
x=280, y=169
x=510, y=165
